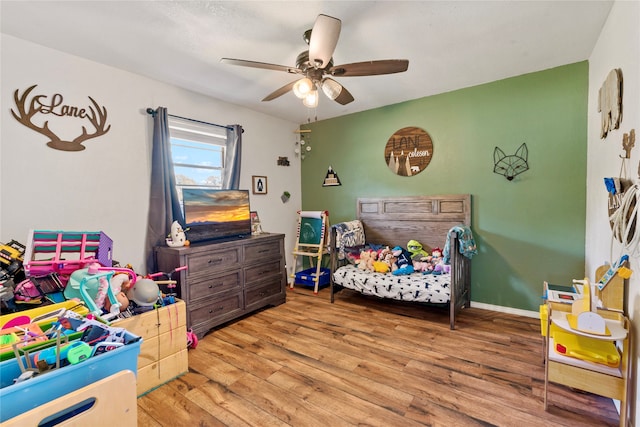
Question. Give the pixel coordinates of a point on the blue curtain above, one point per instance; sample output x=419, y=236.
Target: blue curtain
x=164, y=205
x=233, y=154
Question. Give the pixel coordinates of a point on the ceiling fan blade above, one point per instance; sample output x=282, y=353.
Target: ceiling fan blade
x=345, y=97
x=324, y=38
x=370, y=68
x=279, y=92
x=262, y=65
x=336, y=91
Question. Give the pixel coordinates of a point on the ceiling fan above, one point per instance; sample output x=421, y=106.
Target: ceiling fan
x=316, y=66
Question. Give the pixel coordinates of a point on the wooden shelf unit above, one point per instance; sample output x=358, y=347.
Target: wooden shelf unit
x=589, y=376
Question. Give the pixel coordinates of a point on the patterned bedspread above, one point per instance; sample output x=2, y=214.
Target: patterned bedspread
x=416, y=287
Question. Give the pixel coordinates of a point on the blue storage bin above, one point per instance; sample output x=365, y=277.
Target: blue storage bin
x=25, y=396
x=306, y=277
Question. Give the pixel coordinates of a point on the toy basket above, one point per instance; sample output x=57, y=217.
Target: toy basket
x=25, y=396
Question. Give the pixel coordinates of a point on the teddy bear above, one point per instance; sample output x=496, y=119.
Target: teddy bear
x=386, y=255
x=366, y=260
x=391, y=261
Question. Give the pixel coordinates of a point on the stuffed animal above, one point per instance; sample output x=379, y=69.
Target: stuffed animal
x=177, y=238
x=381, y=267
x=366, y=260
x=422, y=266
x=386, y=255
x=415, y=249
x=436, y=263
x=436, y=252
x=391, y=261
x=403, y=261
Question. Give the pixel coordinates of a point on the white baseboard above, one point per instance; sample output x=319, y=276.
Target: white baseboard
x=509, y=310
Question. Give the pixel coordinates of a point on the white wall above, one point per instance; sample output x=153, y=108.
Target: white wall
x=106, y=186
x=618, y=47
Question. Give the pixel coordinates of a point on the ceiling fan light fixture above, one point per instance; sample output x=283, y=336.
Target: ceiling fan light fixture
x=311, y=100
x=303, y=87
x=331, y=88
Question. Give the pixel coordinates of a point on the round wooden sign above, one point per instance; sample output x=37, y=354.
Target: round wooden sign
x=408, y=151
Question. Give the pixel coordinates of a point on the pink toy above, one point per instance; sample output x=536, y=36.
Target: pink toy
x=192, y=339
x=63, y=252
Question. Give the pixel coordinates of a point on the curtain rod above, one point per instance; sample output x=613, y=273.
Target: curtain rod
x=152, y=112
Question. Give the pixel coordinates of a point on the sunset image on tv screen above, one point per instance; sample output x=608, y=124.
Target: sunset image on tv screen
x=202, y=206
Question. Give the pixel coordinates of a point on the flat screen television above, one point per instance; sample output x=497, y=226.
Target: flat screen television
x=216, y=214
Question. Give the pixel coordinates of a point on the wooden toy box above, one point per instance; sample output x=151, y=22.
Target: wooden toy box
x=163, y=354
x=19, y=398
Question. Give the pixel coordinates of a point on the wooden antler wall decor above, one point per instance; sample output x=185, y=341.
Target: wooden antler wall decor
x=41, y=104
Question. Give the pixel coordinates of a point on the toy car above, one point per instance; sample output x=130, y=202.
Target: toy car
x=12, y=251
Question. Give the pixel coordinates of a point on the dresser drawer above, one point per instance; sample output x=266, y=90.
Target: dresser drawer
x=261, y=251
x=213, y=261
x=220, y=306
x=210, y=285
x=262, y=271
x=260, y=293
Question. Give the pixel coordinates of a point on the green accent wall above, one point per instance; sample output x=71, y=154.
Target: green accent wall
x=527, y=230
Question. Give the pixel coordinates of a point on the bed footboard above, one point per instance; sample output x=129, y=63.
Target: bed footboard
x=460, y=282
x=333, y=262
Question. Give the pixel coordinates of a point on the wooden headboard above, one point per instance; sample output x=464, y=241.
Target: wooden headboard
x=394, y=221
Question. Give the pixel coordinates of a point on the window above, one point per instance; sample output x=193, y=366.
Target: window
x=198, y=152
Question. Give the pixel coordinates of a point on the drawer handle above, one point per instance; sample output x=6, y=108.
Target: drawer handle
x=214, y=260
x=263, y=251
x=216, y=309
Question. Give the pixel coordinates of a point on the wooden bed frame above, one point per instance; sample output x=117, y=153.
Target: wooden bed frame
x=396, y=220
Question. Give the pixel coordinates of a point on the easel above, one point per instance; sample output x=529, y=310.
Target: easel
x=311, y=241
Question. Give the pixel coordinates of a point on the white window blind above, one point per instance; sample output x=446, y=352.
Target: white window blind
x=198, y=152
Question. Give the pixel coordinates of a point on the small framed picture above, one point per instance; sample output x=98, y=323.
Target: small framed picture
x=256, y=228
x=259, y=184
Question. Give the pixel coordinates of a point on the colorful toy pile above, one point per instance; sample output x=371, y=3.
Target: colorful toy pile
x=50, y=351
x=56, y=266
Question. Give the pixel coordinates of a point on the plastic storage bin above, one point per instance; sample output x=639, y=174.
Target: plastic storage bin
x=306, y=277
x=25, y=396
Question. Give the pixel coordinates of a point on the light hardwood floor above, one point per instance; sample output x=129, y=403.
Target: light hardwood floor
x=369, y=362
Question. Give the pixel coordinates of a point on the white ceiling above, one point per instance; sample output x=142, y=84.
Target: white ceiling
x=449, y=44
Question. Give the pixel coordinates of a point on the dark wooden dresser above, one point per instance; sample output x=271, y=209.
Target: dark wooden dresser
x=227, y=279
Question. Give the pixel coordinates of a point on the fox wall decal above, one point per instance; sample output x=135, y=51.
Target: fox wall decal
x=512, y=165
